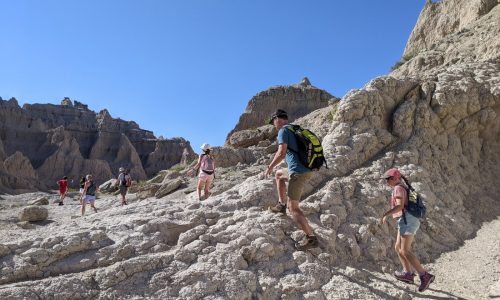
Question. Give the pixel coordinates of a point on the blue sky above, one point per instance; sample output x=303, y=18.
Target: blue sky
x=188, y=68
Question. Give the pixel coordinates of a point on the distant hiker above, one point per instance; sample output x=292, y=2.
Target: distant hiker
x=63, y=188
x=184, y=157
x=89, y=191
x=296, y=175
x=124, y=182
x=207, y=171
x=82, y=188
x=408, y=226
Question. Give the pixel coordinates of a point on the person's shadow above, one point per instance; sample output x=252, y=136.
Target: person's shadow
x=411, y=289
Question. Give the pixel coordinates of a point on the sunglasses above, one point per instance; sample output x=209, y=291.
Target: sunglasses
x=389, y=178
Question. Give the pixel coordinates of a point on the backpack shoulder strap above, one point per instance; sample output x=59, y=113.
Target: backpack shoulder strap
x=294, y=129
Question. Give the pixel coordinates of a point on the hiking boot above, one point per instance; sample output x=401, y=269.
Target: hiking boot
x=425, y=280
x=307, y=243
x=404, y=276
x=60, y=203
x=279, y=208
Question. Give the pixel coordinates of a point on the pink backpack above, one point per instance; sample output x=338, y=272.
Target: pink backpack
x=207, y=163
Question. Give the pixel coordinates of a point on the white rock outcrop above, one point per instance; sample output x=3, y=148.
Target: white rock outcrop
x=33, y=213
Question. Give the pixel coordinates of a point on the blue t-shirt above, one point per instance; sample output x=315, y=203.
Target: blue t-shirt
x=285, y=136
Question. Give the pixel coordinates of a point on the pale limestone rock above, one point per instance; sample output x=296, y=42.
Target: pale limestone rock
x=494, y=291
x=449, y=33
x=251, y=137
x=297, y=100
x=33, y=213
x=226, y=157
x=443, y=18
x=109, y=186
x=168, y=187
x=40, y=201
x=20, y=165
x=146, y=191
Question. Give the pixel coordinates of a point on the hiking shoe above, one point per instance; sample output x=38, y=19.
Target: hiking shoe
x=307, y=243
x=404, y=276
x=425, y=280
x=60, y=203
x=279, y=208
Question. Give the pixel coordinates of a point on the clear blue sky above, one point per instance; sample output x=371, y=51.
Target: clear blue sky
x=189, y=67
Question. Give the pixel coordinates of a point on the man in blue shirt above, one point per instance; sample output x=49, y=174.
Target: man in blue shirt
x=296, y=175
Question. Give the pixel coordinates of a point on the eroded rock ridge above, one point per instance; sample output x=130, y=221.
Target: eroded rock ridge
x=40, y=143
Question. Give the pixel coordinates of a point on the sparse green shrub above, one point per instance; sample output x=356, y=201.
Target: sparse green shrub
x=140, y=184
x=403, y=60
x=177, y=168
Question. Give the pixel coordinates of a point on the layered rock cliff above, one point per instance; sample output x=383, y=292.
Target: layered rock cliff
x=297, y=100
x=40, y=143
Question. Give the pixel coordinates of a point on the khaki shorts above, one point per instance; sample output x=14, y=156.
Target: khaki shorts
x=296, y=183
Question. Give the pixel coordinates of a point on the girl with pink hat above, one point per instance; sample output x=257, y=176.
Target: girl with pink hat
x=408, y=226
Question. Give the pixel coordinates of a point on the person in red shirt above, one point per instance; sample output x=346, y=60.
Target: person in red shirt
x=63, y=188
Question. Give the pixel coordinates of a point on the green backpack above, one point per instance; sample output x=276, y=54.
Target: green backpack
x=310, y=151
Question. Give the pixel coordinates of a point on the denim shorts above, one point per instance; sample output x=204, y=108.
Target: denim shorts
x=89, y=198
x=411, y=226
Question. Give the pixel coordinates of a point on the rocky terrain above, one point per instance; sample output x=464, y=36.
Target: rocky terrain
x=435, y=117
x=41, y=143
x=298, y=100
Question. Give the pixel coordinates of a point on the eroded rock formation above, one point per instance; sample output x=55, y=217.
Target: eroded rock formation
x=297, y=100
x=40, y=143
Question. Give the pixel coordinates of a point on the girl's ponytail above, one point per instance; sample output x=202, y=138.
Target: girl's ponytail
x=407, y=182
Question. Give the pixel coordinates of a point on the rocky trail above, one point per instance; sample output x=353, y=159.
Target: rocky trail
x=470, y=272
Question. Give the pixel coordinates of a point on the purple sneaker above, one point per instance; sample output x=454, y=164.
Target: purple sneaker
x=425, y=280
x=404, y=276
